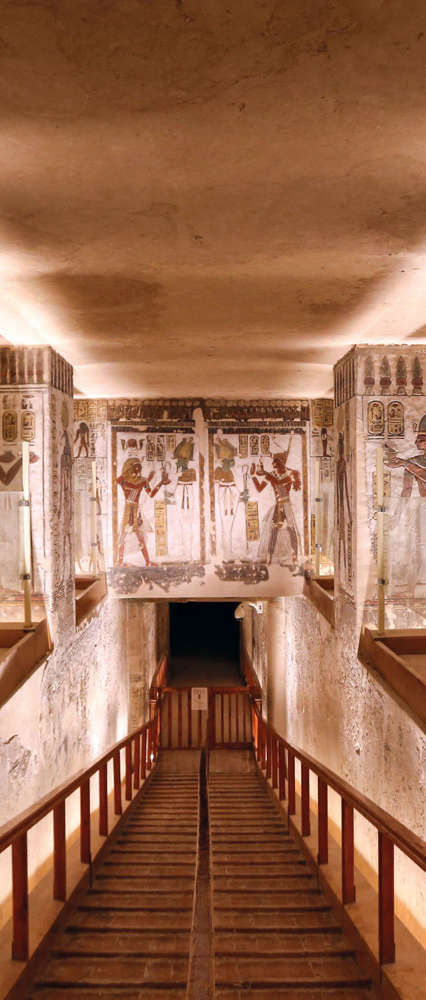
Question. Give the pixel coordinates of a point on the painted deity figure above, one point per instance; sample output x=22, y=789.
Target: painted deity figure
x=82, y=436
x=342, y=494
x=132, y=483
x=279, y=540
x=226, y=492
x=184, y=494
x=65, y=484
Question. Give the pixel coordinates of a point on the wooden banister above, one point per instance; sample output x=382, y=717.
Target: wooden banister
x=391, y=833
x=144, y=742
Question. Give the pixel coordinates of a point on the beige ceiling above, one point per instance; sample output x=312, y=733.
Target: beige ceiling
x=212, y=197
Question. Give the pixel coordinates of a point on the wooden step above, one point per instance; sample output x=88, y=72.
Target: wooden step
x=289, y=945
x=254, y=885
x=106, y=899
x=290, y=921
x=291, y=993
x=112, y=919
x=322, y=972
x=115, y=972
x=108, y=993
x=121, y=942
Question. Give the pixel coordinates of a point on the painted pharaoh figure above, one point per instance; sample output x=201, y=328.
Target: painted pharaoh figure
x=132, y=483
x=279, y=541
x=407, y=568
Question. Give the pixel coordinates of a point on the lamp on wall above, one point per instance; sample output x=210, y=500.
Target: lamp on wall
x=240, y=611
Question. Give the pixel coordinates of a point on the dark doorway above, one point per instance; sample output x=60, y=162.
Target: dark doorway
x=204, y=643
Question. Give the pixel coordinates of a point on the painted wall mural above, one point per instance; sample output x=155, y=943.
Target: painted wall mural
x=399, y=425
x=21, y=419
x=322, y=456
x=345, y=499
x=387, y=409
x=205, y=496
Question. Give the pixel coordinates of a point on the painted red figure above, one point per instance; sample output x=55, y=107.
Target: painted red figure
x=132, y=483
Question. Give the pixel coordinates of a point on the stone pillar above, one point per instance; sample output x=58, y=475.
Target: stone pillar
x=380, y=400
x=36, y=387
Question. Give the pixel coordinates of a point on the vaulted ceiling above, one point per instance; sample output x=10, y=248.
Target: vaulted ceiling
x=212, y=198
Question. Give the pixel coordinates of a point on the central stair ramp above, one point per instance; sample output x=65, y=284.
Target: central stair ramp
x=275, y=935
x=128, y=936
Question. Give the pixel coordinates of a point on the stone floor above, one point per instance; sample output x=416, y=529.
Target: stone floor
x=204, y=671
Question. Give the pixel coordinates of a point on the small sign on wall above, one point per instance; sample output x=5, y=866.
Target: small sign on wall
x=199, y=700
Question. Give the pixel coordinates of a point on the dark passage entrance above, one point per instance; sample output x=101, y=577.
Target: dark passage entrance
x=204, y=643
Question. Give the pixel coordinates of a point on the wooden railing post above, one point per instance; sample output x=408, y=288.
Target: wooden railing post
x=263, y=744
x=59, y=852
x=169, y=697
x=20, y=898
x=306, y=819
x=179, y=698
x=348, y=869
x=322, y=822
x=118, y=809
x=274, y=762
x=103, y=800
x=148, y=749
x=189, y=719
x=128, y=781
x=291, y=785
x=268, y=753
x=85, y=821
x=281, y=760
x=211, y=728
x=143, y=756
x=386, y=900
x=137, y=759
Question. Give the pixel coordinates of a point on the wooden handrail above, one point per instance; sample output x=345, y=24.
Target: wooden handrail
x=145, y=742
x=160, y=678
x=270, y=749
x=411, y=845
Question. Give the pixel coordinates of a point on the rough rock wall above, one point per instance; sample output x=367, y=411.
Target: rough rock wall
x=87, y=695
x=322, y=699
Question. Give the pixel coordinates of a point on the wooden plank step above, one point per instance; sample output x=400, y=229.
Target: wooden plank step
x=152, y=854
x=108, y=919
x=274, y=885
x=134, y=883
x=240, y=869
x=146, y=899
x=115, y=972
x=109, y=993
x=284, y=900
x=276, y=920
x=246, y=855
x=81, y=942
x=291, y=945
x=148, y=870
x=146, y=902
x=349, y=993
x=302, y=972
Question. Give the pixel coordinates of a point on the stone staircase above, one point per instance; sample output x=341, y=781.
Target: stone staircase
x=135, y=933
x=275, y=935
x=129, y=935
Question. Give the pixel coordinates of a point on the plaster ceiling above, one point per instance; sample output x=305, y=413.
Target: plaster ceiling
x=212, y=198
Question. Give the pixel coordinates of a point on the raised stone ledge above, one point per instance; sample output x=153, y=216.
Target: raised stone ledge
x=20, y=654
x=399, y=655
x=320, y=590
